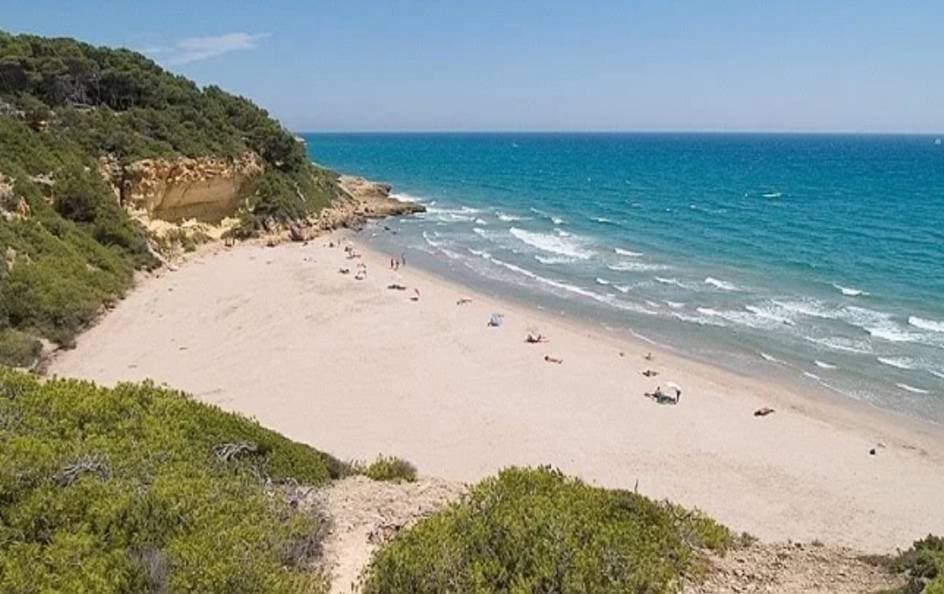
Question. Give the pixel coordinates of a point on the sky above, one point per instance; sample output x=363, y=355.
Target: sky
x=388, y=65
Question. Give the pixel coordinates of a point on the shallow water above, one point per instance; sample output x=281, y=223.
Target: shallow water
x=817, y=258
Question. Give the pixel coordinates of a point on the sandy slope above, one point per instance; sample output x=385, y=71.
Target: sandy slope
x=356, y=369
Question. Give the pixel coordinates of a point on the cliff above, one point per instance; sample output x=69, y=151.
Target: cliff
x=203, y=188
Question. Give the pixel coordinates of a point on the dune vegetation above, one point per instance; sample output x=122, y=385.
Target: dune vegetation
x=67, y=244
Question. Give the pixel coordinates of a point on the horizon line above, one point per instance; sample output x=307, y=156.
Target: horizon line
x=630, y=131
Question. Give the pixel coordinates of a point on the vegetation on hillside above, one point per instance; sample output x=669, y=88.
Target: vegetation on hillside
x=535, y=530
x=141, y=489
x=68, y=247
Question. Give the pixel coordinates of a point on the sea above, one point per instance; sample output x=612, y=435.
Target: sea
x=813, y=259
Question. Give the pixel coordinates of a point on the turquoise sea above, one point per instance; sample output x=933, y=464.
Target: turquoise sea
x=818, y=259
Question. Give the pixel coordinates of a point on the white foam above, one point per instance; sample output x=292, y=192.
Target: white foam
x=481, y=222
x=811, y=375
x=899, y=362
x=480, y=253
x=772, y=313
x=807, y=307
x=930, y=325
x=772, y=195
x=850, y=291
x=839, y=343
x=629, y=266
x=936, y=373
x=700, y=320
x=554, y=259
x=552, y=243
x=403, y=197
x=674, y=304
x=605, y=299
x=823, y=365
x=622, y=288
x=603, y=281
x=770, y=358
x=604, y=220
x=673, y=281
x=507, y=217
x=912, y=389
x=627, y=253
x=720, y=284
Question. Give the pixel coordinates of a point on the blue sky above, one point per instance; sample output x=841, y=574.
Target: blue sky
x=540, y=65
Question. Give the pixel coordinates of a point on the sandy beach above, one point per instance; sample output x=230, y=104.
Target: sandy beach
x=356, y=368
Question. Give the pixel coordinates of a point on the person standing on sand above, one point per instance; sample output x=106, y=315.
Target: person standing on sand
x=403, y=258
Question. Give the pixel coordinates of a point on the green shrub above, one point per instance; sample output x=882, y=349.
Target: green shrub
x=387, y=468
x=137, y=489
x=18, y=349
x=923, y=564
x=535, y=530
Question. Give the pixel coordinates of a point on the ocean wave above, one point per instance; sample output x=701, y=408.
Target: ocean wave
x=674, y=304
x=930, y=325
x=605, y=299
x=774, y=314
x=899, y=362
x=811, y=375
x=507, y=217
x=700, y=320
x=480, y=222
x=635, y=267
x=562, y=233
x=622, y=288
x=912, y=389
x=674, y=282
x=430, y=241
x=839, y=343
x=741, y=318
x=850, y=291
x=603, y=281
x=604, y=221
x=404, y=197
x=554, y=259
x=452, y=215
x=720, y=284
x=627, y=253
x=770, y=358
x=552, y=243
x=807, y=307
x=553, y=218
x=936, y=373
x=823, y=365
x=772, y=195
x=479, y=253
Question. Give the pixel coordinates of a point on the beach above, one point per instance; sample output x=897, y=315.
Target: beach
x=356, y=368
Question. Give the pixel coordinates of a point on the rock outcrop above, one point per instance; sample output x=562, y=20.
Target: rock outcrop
x=361, y=200
x=207, y=188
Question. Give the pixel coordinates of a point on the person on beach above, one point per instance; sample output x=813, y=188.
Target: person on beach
x=551, y=359
x=403, y=258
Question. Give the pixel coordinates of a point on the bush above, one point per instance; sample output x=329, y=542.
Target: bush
x=924, y=565
x=386, y=468
x=137, y=489
x=18, y=349
x=535, y=530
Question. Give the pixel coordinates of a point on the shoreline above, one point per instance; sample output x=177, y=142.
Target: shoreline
x=348, y=366
x=796, y=393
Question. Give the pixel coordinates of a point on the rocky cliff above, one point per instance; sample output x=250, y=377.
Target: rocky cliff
x=207, y=189
x=361, y=200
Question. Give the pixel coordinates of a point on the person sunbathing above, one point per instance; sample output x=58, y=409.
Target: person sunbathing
x=535, y=338
x=551, y=359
